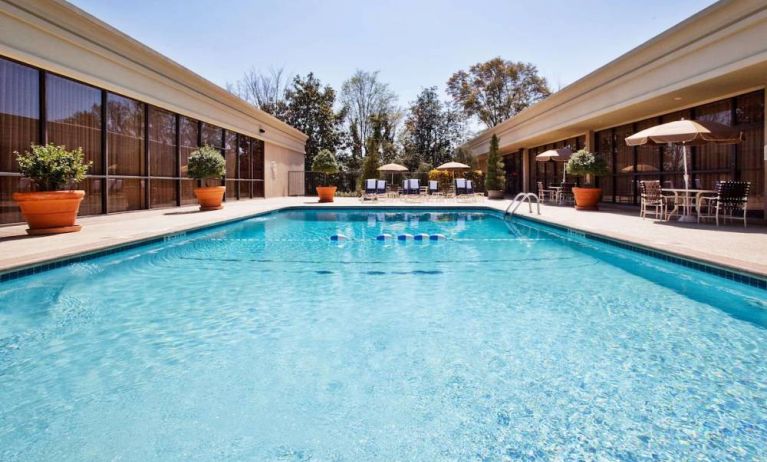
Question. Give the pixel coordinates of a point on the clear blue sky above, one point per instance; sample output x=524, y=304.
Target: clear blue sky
x=414, y=44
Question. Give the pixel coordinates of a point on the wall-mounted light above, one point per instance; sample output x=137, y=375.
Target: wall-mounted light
x=261, y=130
x=677, y=98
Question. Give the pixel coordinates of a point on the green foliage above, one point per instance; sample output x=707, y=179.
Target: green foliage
x=432, y=130
x=309, y=107
x=364, y=96
x=584, y=163
x=443, y=177
x=463, y=156
x=497, y=89
x=206, y=162
x=53, y=168
x=496, y=172
x=325, y=162
x=372, y=159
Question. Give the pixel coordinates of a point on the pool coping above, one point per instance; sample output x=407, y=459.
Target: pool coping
x=715, y=268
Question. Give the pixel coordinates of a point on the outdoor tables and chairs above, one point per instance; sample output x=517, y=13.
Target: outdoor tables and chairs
x=566, y=193
x=731, y=198
x=546, y=193
x=685, y=200
x=460, y=186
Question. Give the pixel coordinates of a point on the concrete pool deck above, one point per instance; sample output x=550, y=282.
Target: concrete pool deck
x=730, y=246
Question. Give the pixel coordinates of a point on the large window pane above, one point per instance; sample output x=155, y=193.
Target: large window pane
x=19, y=112
x=245, y=157
x=125, y=136
x=258, y=159
x=230, y=154
x=212, y=135
x=162, y=143
x=188, y=139
x=74, y=118
x=126, y=194
x=163, y=193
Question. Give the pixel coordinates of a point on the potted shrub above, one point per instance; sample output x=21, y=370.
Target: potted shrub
x=495, y=180
x=325, y=163
x=588, y=165
x=53, y=205
x=207, y=163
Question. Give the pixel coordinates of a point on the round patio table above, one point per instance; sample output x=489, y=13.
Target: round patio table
x=687, y=198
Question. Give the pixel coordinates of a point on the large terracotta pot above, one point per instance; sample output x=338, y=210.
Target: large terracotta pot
x=587, y=198
x=326, y=193
x=494, y=194
x=210, y=198
x=50, y=212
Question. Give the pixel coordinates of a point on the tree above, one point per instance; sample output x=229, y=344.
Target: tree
x=497, y=89
x=325, y=162
x=266, y=91
x=309, y=108
x=495, y=180
x=373, y=148
x=363, y=96
x=432, y=131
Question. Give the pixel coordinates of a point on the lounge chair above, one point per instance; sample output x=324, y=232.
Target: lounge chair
x=370, y=189
x=381, y=187
x=460, y=186
x=731, y=198
x=433, y=187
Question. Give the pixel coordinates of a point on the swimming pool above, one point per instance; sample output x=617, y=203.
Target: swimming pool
x=265, y=340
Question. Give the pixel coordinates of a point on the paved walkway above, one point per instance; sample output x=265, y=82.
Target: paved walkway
x=732, y=246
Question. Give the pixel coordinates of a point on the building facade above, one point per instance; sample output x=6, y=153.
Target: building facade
x=712, y=66
x=70, y=79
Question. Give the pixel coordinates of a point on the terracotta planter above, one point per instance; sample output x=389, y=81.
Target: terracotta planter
x=326, y=193
x=50, y=212
x=494, y=194
x=587, y=198
x=210, y=198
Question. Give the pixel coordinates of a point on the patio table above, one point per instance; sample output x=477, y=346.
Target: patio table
x=557, y=193
x=687, y=198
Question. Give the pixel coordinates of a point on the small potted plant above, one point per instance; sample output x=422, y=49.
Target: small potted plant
x=52, y=206
x=325, y=163
x=207, y=163
x=495, y=180
x=588, y=165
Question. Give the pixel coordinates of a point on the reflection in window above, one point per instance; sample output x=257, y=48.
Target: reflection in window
x=125, y=136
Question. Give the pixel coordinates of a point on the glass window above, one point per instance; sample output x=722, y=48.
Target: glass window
x=74, y=117
x=245, y=157
x=212, y=135
x=258, y=159
x=125, y=136
x=162, y=143
x=19, y=112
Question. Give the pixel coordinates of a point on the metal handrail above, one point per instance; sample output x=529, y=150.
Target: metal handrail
x=519, y=199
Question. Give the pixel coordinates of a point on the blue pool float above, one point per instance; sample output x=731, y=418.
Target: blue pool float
x=384, y=237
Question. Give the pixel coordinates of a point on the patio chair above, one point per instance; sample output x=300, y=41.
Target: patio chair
x=566, y=194
x=460, y=186
x=546, y=193
x=405, y=187
x=381, y=187
x=653, y=202
x=469, y=187
x=731, y=198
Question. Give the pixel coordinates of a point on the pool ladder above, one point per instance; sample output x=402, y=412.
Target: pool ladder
x=519, y=199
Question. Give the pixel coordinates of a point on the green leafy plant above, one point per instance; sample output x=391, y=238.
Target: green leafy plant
x=325, y=163
x=53, y=168
x=495, y=179
x=206, y=162
x=584, y=163
x=444, y=178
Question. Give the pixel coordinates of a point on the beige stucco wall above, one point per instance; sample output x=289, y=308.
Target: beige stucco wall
x=717, y=53
x=278, y=161
x=58, y=37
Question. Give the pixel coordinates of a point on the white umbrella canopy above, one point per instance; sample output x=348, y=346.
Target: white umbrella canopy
x=686, y=132
x=453, y=166
x=557, y=155
x=392, y=168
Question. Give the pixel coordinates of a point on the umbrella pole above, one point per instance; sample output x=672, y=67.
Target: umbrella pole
x=686, y=214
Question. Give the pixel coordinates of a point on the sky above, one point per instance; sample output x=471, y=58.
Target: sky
x=413, y=44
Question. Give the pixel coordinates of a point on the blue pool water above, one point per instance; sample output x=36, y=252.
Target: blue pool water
x=264, y=340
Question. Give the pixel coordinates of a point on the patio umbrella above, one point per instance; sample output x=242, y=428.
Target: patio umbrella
x=686, y=133
x=392, y=168
x=453, y=167
x=557, y=155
